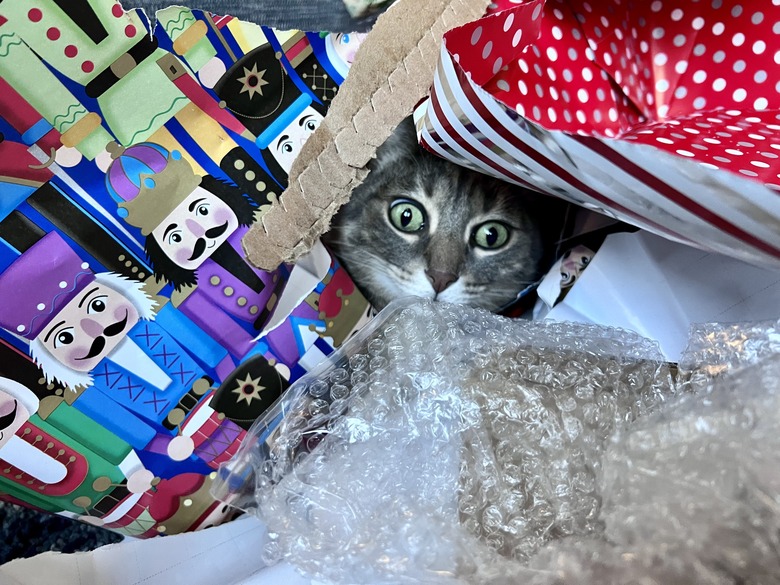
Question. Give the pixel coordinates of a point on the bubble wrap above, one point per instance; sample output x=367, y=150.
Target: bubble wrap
x=446, y=444
x=690, y=494
x=715, y=349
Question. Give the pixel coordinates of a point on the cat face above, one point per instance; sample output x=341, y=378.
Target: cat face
x=425, y=227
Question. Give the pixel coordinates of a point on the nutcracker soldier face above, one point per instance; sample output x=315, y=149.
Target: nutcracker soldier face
x=341, y=49
x=261, y=94
x=72, y=317
x=286, y=146
x=345, y=45
x=573, y=263
x=185, y=218
x=195, y=228
x=89, y=327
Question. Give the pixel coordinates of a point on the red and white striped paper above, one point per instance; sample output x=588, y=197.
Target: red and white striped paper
x=664, y=114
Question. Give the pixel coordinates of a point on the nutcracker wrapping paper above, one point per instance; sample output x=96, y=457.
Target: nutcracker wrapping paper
x=137, y=344
x=663, y=114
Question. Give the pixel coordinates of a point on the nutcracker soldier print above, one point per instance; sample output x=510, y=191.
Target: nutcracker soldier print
x=96, y=335
x=109, y=52
x=44, y=465
x=115, y=489
x=99, y=480
x=188, y=32
x=310, y=67
x=193, y=228
x=260, y=93
x=341, y=49
x=36, y=195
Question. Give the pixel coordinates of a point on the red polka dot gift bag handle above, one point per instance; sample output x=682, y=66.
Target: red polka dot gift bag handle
x=664, y=114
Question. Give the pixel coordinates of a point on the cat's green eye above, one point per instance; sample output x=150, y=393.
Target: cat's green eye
x=490, y=235
x=407, y=216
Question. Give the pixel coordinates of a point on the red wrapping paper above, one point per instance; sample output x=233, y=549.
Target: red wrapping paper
x=662, y=114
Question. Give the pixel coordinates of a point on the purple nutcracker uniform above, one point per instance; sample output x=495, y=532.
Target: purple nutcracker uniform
x=95, y=334
x=193, y=227
x=221, y=295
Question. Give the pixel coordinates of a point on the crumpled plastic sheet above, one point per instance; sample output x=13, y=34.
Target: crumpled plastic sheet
x=715, y=349
x=448, y=445
x=446, y=438
x=699, y=484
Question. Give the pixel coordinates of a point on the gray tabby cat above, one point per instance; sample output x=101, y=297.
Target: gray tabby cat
x=422, y=226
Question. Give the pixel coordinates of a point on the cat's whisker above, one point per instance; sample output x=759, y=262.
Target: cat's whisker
x=371, y=263
x=487, y=287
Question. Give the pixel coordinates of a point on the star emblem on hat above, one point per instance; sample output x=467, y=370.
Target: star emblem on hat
x=253, y=81
x=249, y=389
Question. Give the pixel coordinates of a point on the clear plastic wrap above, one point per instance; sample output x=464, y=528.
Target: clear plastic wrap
x=715, y=349
x=445, y=443
x=448, y=445
x=690, y=493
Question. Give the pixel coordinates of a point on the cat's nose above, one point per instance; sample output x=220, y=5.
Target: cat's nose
x=440, y=280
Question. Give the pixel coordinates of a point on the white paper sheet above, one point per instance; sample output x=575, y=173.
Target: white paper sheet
x=224, y=555
x=658, y=288
x=307, y=273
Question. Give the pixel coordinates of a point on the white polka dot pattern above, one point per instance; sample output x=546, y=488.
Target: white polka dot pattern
x=618, y=65
x=577, y=99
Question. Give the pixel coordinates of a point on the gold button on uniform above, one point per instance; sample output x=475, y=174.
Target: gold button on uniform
x=241, y=301
x=176, y=416
x=102, y=484
x=215, y=280
x=201, y=386
x=228, y=290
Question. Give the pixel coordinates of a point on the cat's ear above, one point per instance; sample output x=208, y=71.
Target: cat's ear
x=401, y=144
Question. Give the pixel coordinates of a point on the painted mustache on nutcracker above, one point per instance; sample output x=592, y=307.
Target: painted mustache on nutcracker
x=212, y=234
x=99, y=343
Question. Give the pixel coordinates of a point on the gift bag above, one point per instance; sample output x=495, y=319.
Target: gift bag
x=137, y=345
x=662, y=114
